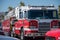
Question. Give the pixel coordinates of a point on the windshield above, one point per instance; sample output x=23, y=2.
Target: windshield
x=42, y=14
x=50, y=38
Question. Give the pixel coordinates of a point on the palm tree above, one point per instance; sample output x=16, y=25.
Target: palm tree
x=22, y=3
x=10, y=8
x=59, y=11
x=2, y=16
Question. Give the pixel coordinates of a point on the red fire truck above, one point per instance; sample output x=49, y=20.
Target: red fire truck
x=34, y=20
x=53, y=35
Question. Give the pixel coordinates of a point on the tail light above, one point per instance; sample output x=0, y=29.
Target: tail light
x=54, y=24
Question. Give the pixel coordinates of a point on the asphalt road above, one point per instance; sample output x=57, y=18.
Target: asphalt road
x=7, y=38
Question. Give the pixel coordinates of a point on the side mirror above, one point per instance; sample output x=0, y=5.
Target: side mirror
x=13, y=22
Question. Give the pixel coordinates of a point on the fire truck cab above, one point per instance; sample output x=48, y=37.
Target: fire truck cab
x=53, y=35
x=35, y=20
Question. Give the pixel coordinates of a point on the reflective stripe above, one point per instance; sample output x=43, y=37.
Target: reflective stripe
x=17, y=28
x=26, y=29
x=6, y=27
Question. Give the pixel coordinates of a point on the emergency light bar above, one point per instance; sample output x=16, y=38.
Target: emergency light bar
x=42, y=6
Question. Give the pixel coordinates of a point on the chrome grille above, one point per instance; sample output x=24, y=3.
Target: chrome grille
x=44, y=27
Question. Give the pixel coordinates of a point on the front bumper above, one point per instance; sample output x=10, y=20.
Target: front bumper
x=34, y=34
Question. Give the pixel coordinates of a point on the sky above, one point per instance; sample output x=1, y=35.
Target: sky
x=4, y=4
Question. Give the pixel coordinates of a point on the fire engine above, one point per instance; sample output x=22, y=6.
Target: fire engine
x=53, y=35
x=34, y=20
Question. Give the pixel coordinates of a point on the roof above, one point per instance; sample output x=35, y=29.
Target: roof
x=37, y=7
x=41, y=6
x=53, y=33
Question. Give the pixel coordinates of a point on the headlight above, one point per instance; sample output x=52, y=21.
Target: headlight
x=55, y=26
x=32, y=27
